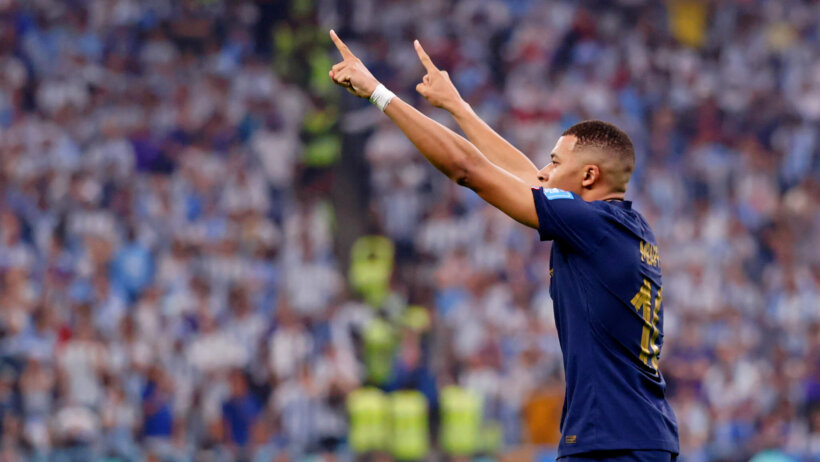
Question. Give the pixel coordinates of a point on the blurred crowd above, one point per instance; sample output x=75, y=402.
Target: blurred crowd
x=173, y=285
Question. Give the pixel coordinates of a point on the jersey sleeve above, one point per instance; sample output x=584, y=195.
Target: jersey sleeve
x=565, y=218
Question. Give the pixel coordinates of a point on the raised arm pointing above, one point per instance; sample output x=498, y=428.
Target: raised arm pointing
x=453, y=155
x=439, y=91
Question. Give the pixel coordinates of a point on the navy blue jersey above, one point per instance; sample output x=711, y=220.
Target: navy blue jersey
x=605, y=283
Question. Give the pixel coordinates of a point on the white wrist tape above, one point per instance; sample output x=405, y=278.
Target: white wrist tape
x=381, y=97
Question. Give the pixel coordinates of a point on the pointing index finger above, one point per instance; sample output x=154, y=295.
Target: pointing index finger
x=425, y=59
x=343, y=49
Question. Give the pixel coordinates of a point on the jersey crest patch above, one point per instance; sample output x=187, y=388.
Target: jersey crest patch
x=555, y=193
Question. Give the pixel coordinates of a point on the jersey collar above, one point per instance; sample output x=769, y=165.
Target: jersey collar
x=620, y=203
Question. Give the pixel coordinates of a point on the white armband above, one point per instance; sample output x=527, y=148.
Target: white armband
x=381, y=97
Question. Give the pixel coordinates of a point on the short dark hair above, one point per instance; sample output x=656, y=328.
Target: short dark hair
x=608, y=138
x=604, y=135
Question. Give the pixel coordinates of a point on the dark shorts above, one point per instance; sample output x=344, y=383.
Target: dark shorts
x=622, y=456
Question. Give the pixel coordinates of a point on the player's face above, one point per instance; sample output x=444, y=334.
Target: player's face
x=566, y=171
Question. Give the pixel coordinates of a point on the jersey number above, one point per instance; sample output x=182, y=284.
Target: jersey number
x=650, y=309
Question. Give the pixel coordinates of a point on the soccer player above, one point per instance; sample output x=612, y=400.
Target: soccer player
x=605, y=275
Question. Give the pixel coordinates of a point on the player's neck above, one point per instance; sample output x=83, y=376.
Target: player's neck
x=590, y=195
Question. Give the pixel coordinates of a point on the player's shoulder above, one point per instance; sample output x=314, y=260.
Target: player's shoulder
x=563, y=202
x=622, y=213
x=614, y=212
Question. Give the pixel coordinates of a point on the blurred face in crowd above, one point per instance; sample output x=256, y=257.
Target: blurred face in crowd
x=411, y=351
x=239, y=385
x=9, y=228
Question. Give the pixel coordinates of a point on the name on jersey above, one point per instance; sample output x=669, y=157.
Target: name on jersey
x=649, y=254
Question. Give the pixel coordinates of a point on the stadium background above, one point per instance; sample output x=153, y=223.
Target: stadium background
x=183, y=192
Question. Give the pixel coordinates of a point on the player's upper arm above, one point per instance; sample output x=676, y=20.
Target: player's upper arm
x=529, y=177
x=501, y=189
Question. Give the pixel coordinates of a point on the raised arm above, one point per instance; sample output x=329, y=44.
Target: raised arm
x=453, y=155
x=464, y=163
x=439, y=90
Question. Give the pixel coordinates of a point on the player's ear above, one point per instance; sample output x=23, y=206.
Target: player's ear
x=591, y=175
